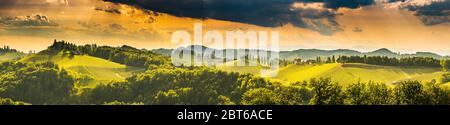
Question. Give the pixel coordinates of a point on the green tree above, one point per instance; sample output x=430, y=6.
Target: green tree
x=445, y=64
x=8, y=101
x=260, y=96
x=295, y=94
x=379, y=94
x=36, y=83
x=104, y=93
x=326, y=92
x=410, y=93
x=123, y=103
x=357, y=94
x=445, y=78
x=368, y=94
x=224, y=100
x=438, y=94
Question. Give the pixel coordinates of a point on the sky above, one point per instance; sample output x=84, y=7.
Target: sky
x=405, y=26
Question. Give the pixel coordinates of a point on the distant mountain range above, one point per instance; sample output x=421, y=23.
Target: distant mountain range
x=313, y=53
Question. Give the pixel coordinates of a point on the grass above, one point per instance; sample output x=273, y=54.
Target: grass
x=228, y=66
x=294, y=73
x=98, y=70
x=10, y=56
x=346, y=74
x=352, y=73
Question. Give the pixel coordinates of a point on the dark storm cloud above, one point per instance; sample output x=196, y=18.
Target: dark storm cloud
x=268, y=13
x=108, y=10
x=335, y=4
x=436, y=12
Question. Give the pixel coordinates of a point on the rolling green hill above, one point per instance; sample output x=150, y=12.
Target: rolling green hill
x=10, y=56
x=256, y=70
x=347, y=73
x=352, y=73
x=92, y=69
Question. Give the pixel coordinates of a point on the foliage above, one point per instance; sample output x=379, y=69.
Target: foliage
x=368, y=94
x=445, y=65
x=261, y=96
x=326, y=92
x=122, y=103
x=7, y=49
x=445, y=78
x=109, y=93
x=295, y=94
x=178, y=86
x=223, y=100
x=437, y=94
x=410, y=92
x=8, y=101
x=37, y=83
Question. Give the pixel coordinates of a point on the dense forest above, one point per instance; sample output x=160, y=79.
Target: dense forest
x=23, y=83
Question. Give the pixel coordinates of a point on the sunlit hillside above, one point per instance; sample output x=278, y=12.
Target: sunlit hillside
x=99, y=70
x=347, y=73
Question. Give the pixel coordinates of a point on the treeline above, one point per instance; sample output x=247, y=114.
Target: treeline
x=445, y=65
x=384, y=60
x=405, y=93
x=7, y=49
x=124, y=55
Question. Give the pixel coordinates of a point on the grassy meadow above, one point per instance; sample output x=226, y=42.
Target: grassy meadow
x=10, y=56
x=92, y=69
x=346, y=74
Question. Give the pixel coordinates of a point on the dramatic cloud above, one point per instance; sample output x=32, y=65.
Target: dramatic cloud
x=431, y=12
x=108, y=10
x=23, y=21
x=317, y=15
x=140, y=15
x=335, y=4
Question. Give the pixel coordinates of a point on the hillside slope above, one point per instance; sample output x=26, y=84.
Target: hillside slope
x=346, y=74
x=352, y=73
x=10, y=56
x=98, y=70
